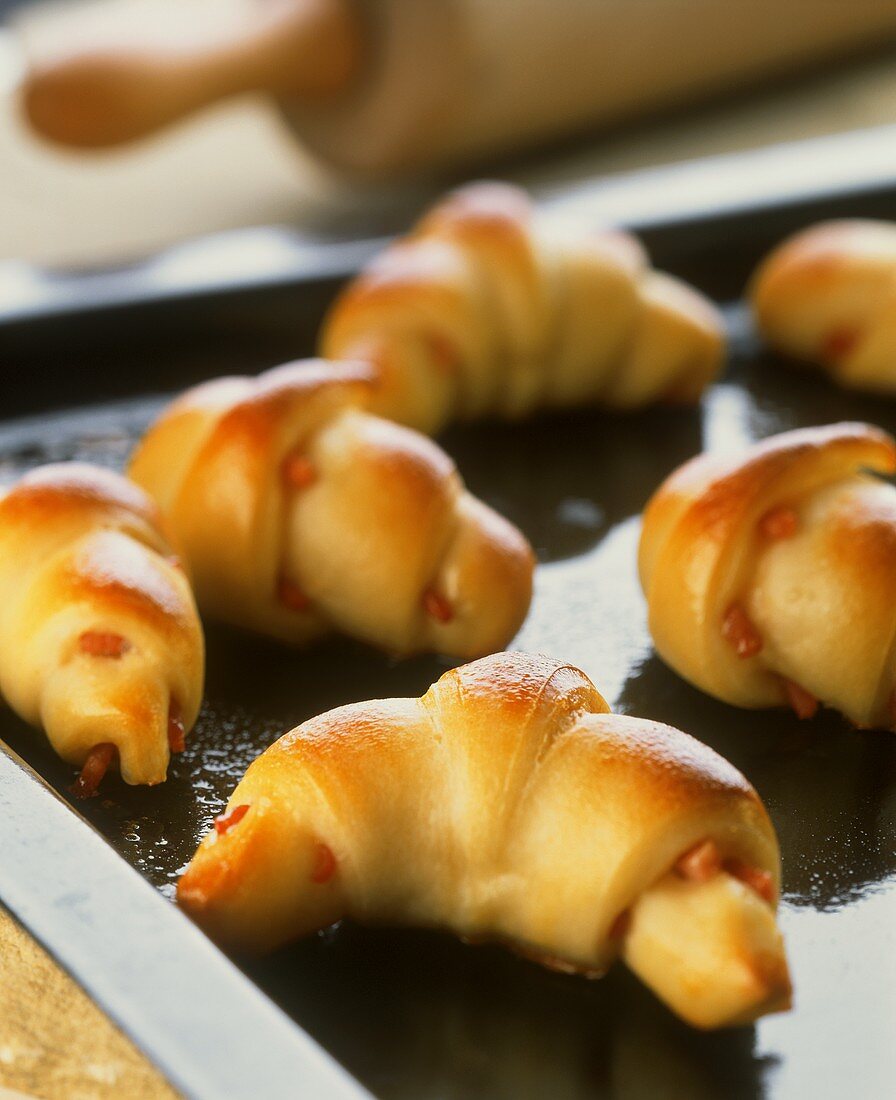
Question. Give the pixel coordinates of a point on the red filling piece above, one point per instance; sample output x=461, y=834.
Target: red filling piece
x=804, y=705
x=779, y=523
x=298, y=471
x=227, y=821
x=324, y=865
x=438, y=606
x=739, y=631
x=291, y=596
x=760, y=881
x=444, y=353
x=680, y=392
x=176, y=730
x=700, y=863
x=95, y=767
x=98, y=643
x=839, y=343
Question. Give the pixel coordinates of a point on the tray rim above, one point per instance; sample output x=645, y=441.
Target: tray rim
x=83, y=903
x=654, y=202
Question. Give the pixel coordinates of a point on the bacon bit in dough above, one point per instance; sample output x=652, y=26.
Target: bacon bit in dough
x=620, y=925
x=839, y=343
x=324, y=864
x=680, y=393
x=176, y=730
x=738, y=629
x=701, y=863
x=298, y=471
x=438, y=606
x=98, y=643
x=444, y=353
x=226, y=822
x=779, y=523
x=291, y=596
x=175, y=562
x=803, y=704
x=95, y=767
x=760, y=881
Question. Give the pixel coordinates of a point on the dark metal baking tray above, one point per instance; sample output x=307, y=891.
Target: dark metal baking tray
x=418, y=1014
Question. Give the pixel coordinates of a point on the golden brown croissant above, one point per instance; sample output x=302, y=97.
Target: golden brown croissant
x=488, y=310
x=509, y=804
x=299, y=514
x=100, y=642
x=770, y=576
x=828, y=296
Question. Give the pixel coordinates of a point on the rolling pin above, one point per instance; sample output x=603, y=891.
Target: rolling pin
x=389, y=88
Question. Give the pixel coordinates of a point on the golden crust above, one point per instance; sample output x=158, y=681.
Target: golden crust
x=827, y=296
x=507, y=803
x=378, y=538
x=83, y=556
x=812, y=595
x=118, y=576
x=75, y=490
x=523, y=313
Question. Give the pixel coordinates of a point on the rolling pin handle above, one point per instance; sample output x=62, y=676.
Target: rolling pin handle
x=307, y=50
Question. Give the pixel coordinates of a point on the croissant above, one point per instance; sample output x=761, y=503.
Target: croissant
x=828, y=296
x=100, y=641
x=486, y=309
x=770, y=576
x=509, y=803
x=300, y=513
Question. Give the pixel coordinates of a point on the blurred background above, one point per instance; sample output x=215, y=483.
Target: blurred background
x=552, y=93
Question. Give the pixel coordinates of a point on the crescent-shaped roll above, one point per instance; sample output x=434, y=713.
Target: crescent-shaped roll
x=770, y=575
x=827, y=296
x=301, y=514
x=509, y=804
x=488, y=309
x=100, y=641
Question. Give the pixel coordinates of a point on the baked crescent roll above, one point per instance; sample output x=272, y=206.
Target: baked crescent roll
x=100, y=641
x=770, y=576
x=828, y=296
x=489, y=310
x=300, y=514
x=509, y=804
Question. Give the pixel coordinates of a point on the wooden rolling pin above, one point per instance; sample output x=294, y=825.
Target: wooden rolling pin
x=392, y=87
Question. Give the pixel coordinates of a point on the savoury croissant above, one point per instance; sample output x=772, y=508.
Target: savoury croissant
x=487, y=309
x=828, y=296
x=100, y=641
x=509, y=803
x=770, y=576
x=300, y=513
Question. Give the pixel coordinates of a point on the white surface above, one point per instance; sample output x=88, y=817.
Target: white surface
x=237, y=165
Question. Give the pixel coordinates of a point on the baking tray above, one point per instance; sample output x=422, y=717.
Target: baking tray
x=418, y=1014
